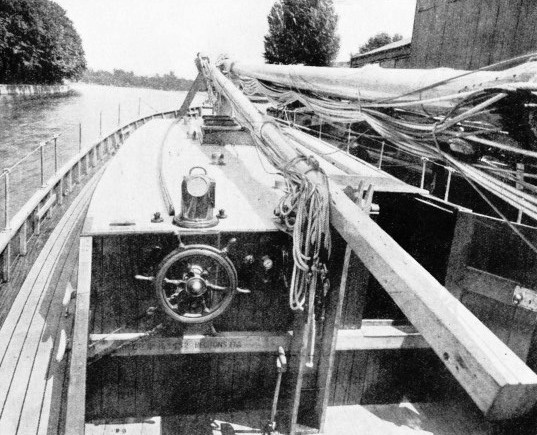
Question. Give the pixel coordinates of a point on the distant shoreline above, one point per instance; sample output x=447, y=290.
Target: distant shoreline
x=127, y=79
x=21, y=90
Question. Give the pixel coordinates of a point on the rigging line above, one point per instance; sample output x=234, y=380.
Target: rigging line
x=487, y=200
x=510, y=148
x=258, y=151
x=509, y=171
x=502, y=216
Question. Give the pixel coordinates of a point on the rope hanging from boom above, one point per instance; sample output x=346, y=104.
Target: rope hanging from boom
x=304, y=211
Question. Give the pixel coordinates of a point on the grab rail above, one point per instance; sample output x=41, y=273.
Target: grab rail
x=18, y=230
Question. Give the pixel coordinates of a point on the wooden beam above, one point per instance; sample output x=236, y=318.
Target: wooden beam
x=499, y=382
x=460, y=252
x=380, y=337
x=382, y=184
x=224, y=342
x=356, y=170
x=76, y=389
x=190, y=96
x=329, y=339
x=40, y=213
x=487, y=284
x=23, y=239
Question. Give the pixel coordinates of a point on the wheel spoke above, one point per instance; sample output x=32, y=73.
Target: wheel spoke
x=205, y=307
x=195, y=285
x=173, y=299
x=174, y=281
x=216, y=287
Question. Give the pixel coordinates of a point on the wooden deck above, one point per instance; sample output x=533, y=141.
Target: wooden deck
x=405, y=418
x=34, y=334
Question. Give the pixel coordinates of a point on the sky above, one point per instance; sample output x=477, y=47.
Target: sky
x=158, y=36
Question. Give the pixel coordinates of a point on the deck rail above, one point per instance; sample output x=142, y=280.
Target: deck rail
x=55, y=183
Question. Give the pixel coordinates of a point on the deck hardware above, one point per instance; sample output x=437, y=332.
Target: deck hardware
x=198, y=199
x=231, y=242
x=122, y=224
x=281, y=368
x=157, y=218
x=248, y=260
x=221, y=161
x=221, y=214
x=448, y=183
x=424, y=161
x=267, y=263
x=525, y=298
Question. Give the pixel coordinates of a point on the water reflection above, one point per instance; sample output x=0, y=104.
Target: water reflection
x=26, y=121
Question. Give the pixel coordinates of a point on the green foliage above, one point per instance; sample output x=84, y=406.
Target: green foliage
x=379, y=40
x=38, y=43
x=302, y=32
x=168, y=82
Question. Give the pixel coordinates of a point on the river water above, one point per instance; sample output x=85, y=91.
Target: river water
x=25, y=122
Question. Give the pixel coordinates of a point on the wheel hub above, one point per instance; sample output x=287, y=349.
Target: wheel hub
x=196, y=286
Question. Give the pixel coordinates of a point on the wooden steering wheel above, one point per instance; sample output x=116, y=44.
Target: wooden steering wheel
x=196, y=283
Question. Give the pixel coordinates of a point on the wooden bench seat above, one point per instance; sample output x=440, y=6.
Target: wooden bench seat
x=33, y=337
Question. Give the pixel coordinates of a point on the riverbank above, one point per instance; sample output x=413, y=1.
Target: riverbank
x=6, y=90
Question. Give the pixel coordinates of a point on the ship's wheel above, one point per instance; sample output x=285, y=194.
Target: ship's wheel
x=195, y=284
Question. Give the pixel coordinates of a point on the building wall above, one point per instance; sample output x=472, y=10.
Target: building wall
x=394, y=58
x=470, y=34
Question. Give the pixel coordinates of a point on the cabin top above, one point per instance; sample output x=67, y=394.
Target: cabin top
x=130, y=191
x=247, y=188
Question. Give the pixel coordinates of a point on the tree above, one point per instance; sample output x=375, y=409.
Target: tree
x=38, y=43
x=302, y=32
x=118, y=77
x=379, y=40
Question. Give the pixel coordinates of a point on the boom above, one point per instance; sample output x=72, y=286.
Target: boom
x=496, y=379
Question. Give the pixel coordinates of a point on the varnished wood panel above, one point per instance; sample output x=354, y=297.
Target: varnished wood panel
x=497, y=249
x=386, y=376
x=120, y=302
x=170, y=385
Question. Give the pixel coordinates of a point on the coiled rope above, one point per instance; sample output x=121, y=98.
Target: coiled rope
x=304, y=211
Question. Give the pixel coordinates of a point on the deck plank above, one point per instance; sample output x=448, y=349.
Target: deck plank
x=45, y=331
x=51, y=415
x=28, y=333
x=77, y=376
x=441, y=418
x=46, y=364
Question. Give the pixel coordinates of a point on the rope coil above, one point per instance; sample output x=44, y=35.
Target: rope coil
x=304, y=212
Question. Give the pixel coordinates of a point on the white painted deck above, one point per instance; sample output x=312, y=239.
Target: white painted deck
x=130, y=192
